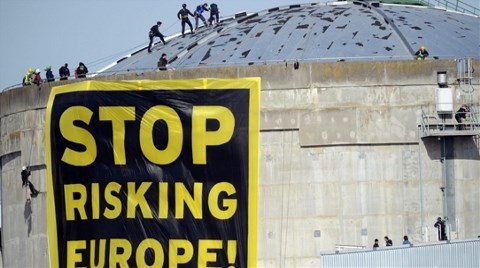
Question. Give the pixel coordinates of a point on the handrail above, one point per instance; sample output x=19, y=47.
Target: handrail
x=424, y=123
x=455, y=5
x=472, y=125
x=475, y=124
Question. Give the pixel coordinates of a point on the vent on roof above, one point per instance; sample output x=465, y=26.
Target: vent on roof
x=122, y=59
x=241, y=14
x=192, y=46
x=247, y=17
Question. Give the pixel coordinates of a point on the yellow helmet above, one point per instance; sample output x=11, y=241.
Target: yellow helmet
x=30, y=70
x=422, y=48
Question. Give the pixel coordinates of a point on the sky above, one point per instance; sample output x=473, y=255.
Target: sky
x=96, y=32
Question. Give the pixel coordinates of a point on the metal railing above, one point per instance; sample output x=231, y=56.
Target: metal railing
x=436, y=124
x=454, y=5
x=459, y=253
x=457, y=5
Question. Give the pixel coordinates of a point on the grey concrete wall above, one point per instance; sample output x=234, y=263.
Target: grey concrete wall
x=341, y=161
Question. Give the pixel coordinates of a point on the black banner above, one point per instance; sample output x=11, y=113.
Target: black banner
x=153, y=173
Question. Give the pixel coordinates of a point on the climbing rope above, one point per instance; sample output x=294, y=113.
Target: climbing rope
x=34, y=128
x=117, y=55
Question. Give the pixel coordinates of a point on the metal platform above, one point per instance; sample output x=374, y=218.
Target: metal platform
x=449, y=130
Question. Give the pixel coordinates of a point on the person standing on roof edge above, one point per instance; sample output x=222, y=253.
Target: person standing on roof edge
x=183, y=16
x=213, y=13
x=421, y=54
x=28, y=78
x=37, y=80
x=198, y=14
x=82, y=70
x=154, y=31
x=49, y=74
x=64, y=72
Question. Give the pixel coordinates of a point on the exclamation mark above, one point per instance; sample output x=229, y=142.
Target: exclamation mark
x=231, y=253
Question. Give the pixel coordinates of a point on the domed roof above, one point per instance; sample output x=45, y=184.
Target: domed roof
x=317, y=32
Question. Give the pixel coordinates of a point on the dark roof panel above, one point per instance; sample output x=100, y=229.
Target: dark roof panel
x=349, y=31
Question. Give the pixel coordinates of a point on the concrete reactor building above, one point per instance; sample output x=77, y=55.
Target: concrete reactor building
x=358, y=138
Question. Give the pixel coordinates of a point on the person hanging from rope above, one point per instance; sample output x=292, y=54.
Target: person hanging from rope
x=26, y=182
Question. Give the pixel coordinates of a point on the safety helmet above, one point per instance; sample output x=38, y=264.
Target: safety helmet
x=48, y=67
x=37, y=71
x=422, y=48
x=24, y=168
x=30, y=70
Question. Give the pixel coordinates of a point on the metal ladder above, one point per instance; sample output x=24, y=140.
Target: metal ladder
x=464, y=78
